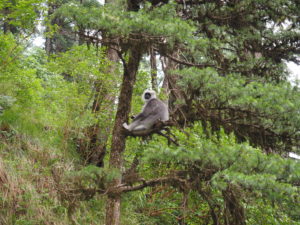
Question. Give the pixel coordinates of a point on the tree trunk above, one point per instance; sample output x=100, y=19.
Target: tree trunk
x=119, y=139
x=234, y=211
x=49, y=40
x=7, y=27
x=153, y=69
x=174, y=91
x=99, y=134
x=64, y=38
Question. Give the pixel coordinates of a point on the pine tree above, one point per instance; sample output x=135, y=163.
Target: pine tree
x=236, y=116
x=225, y=65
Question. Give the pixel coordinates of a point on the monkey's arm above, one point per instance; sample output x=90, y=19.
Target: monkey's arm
x=150, y=110
x=139, y=116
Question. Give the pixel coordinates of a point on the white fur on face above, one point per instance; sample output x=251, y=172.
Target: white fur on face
x=153, y=95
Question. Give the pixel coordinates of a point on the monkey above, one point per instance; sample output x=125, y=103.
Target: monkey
x=152, y=111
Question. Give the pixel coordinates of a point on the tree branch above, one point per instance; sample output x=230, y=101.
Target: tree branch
x=201, y=66
x=158, y=181
x=156, y=129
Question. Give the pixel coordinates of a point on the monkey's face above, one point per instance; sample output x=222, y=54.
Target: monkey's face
x=148, y=95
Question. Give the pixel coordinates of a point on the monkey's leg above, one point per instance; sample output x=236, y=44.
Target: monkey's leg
x=131, y=126
x=126, y=126
x=139, y=127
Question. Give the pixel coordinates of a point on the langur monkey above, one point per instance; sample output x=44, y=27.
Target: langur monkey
x=153, y=110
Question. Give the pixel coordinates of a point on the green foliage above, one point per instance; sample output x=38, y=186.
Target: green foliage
x=269, y=98
x=6, y=102
x=274, y=106
x=44, y=105
x=9, y=51
x=125, y=24
x=45, y=98
x=21, y=14
x=53, y=108
x=262, y=212
x=221, y=161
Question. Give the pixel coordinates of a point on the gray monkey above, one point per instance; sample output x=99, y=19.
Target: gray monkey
x=153, y=110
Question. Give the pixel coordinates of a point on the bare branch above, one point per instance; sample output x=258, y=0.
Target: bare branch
x=158, y=181
x=201, y=66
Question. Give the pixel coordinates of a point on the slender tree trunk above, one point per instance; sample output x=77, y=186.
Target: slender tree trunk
x=63, y=38
x=119, y=139
x=99, y=134
x=7, y=27
x=153, y=69
x=212, y=206
x=49, y=40
x=101, y=151
x=174, y=91
x=234, y=211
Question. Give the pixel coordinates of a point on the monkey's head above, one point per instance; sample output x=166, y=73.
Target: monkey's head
x=148, y=95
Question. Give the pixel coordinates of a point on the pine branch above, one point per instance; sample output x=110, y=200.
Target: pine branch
x=158, y=181
x=186, y=63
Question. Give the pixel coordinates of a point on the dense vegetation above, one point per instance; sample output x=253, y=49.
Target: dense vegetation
x=220, y=65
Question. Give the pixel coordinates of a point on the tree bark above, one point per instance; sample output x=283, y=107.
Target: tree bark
x=119, y=138
x=234, y=211
x=153, y=69
x=174, y=91
x=99, y=134
x=64, y=38
x=49, y=41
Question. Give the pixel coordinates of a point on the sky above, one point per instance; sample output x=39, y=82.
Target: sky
x=295, y=71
